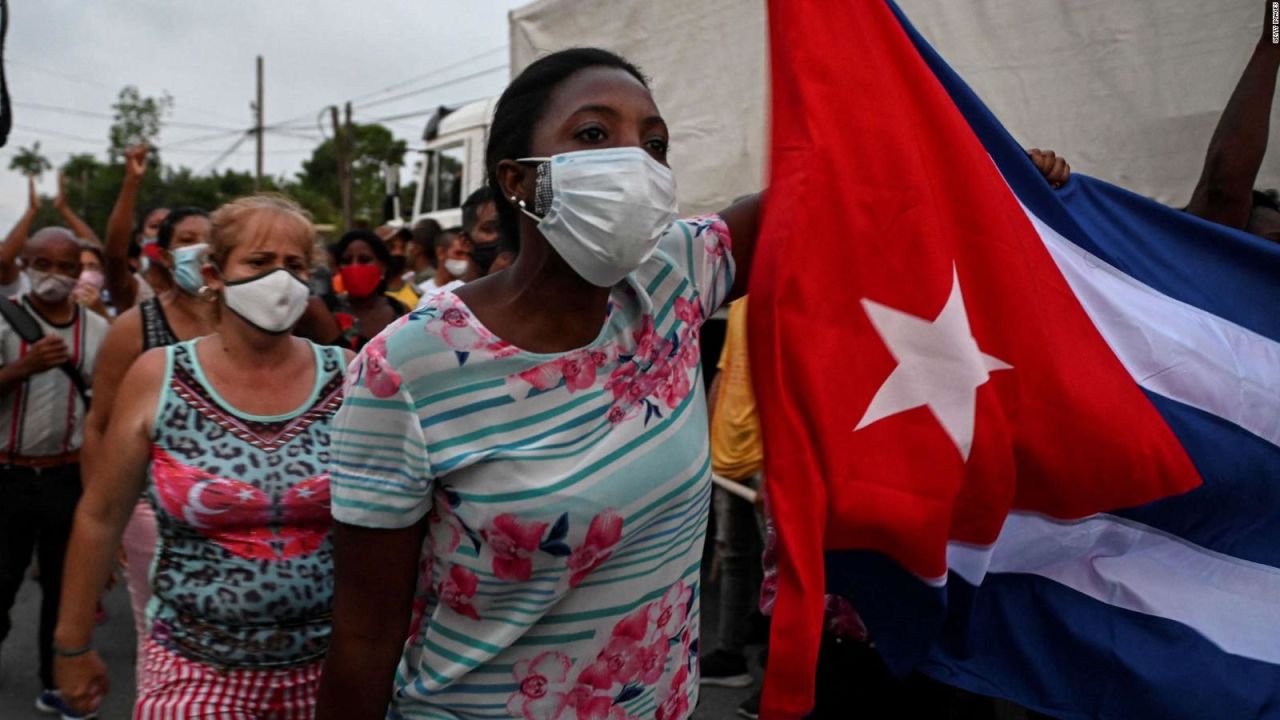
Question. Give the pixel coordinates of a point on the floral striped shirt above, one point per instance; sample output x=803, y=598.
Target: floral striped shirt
x=566, y=497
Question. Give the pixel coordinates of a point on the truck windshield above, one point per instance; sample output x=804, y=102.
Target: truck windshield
x=444, y=177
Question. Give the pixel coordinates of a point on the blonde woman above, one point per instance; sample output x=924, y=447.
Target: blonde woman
x=228, y=434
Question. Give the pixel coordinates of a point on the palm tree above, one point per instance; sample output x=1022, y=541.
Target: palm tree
x=30, y=162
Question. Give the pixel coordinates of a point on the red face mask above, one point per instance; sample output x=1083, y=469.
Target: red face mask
x=360, y=280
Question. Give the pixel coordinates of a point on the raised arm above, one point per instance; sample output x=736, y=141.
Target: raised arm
x=743, y=219
x=118, y=280
x=73, y=221
x=120, y=348
x=369, y=626
x=109, y=496
x=17, y=238
x=1225, y=192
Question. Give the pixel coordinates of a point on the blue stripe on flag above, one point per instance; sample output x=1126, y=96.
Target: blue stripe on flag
x=1065, y=654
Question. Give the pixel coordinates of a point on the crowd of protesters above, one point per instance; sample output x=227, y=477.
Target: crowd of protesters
x=497, y=506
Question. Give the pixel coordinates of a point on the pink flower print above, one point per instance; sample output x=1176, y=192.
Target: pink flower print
x=454, y=327
x=602, y=536
x=620, y=380
x=601, y=357
x=446, y=532
x=539, y=694
x=512, y=541
x=673, y=388
x=579, y=371
x=635, y=627
x=458, y=589
x=542, y=377
x=618, y=663
x=380, y=377
x=689, y=313
x=676, y=705
x=651, y=659
x=587, y=704
x=716, y=239
x=672, y=610
x=646, y=340
x=621, y=413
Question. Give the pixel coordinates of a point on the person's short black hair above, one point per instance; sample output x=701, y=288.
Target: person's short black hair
x=165, y=235
x=521, y=107
x=471, y=207
x=1267, y=199
x=370, y=238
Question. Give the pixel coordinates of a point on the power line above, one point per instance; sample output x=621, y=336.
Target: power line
x=306, y=117
x=420, y=113
x=202, y=138
x=226, y=154
x=294, y=134
x=277, y=151
x=105, y=116
x=58, y=134
x=429, y=88
x=96, y=83
x=428, y=74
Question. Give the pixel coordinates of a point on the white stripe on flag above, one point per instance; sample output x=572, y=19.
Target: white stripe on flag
x=1233, y=603
x=1172, y=348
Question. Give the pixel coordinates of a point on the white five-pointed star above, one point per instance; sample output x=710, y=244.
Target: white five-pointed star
x=939, y=366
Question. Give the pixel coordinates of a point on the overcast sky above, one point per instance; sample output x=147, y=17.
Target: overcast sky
x=77, y=54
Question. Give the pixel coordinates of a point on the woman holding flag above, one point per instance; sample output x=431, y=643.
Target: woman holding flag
x=531, y=450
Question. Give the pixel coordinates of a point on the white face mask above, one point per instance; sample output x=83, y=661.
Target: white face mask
x=271, y=302
x=456, y=267
x=51, y=287
x=603, y=210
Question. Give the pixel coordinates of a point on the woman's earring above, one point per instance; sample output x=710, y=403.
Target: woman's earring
x=207, y=293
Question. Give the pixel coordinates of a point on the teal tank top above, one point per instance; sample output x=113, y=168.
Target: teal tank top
x=243, y=570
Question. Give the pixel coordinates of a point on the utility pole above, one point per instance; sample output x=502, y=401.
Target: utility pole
x=258, y=130
x=348, y=158
x=342, y=152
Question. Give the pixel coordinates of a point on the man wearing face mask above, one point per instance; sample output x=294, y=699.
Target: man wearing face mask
x=41, y=425
x=453, y=263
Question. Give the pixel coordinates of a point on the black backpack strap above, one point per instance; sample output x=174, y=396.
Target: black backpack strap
x=29, y=329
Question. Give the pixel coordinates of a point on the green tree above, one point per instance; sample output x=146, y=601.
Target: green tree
x=317, y=184
x=138, y=119
x=29, y=161
x=80, y=171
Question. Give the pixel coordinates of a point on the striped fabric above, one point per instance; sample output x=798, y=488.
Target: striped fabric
x=176, y=688
x=566, y=496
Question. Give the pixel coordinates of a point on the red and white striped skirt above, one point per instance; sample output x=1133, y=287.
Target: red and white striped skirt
x=176, y=688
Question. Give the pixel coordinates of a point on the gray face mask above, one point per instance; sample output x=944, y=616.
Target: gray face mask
x=603, y=211
x=51, y=287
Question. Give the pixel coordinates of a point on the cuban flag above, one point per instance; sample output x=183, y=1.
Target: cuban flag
x=1032, y=435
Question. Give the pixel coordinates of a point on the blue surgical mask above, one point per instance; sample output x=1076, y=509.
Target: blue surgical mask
x=186, y=267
